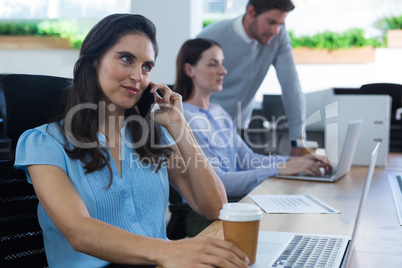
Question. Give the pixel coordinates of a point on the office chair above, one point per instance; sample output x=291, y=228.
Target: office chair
x=176, y=227
x=395, y=91
x=30, y=101
x=4, y=141
x=276, y=123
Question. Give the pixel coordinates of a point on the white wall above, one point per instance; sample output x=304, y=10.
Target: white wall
x=175, y=21
x=57, y=62
x=315, y=77
x=178, y=20
x=312, y=16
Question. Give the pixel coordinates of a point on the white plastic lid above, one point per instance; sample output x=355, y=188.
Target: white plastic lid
x=240, y=212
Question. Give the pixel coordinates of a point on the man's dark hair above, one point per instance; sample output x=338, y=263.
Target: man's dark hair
x=260, y=6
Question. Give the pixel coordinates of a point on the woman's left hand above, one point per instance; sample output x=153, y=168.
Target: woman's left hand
x=170, y=114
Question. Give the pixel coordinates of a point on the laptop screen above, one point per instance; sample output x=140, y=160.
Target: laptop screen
x=366, y=188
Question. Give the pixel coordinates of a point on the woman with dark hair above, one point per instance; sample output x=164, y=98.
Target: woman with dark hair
x=102, y=173
x=200, y=73
x=189, y=55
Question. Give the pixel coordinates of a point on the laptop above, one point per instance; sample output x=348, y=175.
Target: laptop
x=345, y=161
x=395, y=181
x=281, y=249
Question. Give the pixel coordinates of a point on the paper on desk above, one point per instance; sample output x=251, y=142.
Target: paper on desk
x=292, y=204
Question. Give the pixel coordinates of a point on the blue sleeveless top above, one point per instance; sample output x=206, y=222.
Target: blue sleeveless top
x=135, y=202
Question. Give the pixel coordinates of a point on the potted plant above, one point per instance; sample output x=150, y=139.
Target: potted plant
x=393, y=26
x=350, y=46
x=38, y=35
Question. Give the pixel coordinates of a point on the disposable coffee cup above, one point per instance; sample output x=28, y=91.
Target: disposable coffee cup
x=308, y=147
x=241, y=224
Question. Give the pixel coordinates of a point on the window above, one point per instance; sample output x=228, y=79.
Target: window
x=214, y=10
x=313, y=16
x=61, y=9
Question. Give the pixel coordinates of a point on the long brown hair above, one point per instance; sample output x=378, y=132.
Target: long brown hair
x=85, y=89
x=190, y=52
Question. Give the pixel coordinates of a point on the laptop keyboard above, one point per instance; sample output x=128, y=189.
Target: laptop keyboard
x=328, y=175
x=309, y=251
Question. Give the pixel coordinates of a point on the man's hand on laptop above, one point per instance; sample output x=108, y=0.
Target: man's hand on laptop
x=312, y=164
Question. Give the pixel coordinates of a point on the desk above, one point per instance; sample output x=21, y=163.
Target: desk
x=379, y=239
x=394, y=162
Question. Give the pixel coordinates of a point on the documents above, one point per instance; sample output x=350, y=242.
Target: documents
x=292, y=204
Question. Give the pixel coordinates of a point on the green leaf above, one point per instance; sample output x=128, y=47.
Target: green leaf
x=330, y=40
x=58, y=28
x=390, y=23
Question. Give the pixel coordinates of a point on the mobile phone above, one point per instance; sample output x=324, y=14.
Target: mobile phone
x=146, y=102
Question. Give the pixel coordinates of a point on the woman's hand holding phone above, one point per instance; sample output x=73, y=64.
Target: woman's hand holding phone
x=170, y=112
x=146, y=102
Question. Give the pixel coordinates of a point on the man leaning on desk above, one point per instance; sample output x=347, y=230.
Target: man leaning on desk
x=252, y=43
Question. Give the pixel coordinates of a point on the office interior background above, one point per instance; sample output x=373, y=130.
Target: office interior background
x=178, y=20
